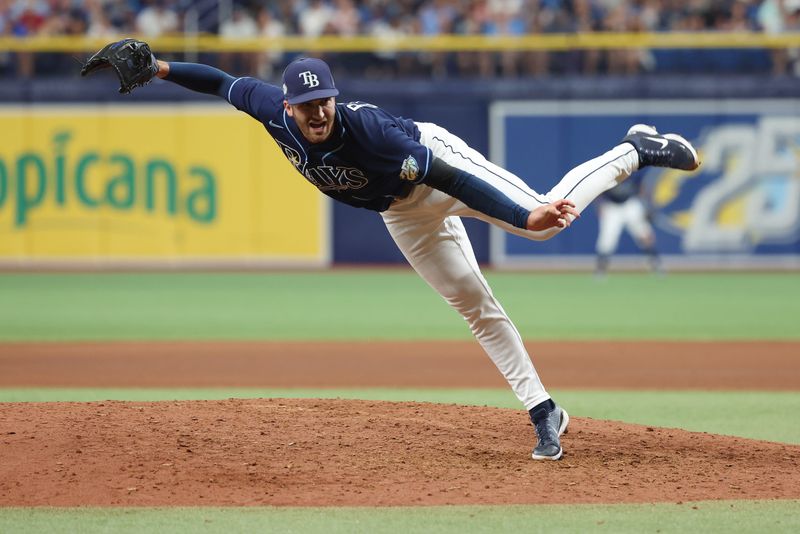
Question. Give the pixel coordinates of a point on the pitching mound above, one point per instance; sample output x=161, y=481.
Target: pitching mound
x=344, y=452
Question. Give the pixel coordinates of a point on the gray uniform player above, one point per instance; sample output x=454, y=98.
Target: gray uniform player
x=422, y=179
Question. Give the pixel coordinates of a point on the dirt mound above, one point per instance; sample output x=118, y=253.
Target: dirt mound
x=345, y=452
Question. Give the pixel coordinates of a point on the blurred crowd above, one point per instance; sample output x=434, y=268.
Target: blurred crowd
x=231, y=19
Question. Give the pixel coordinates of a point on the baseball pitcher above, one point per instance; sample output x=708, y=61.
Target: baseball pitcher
x=421, y=179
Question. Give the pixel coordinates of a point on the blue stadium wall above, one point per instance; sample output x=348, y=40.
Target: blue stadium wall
x=465, y=108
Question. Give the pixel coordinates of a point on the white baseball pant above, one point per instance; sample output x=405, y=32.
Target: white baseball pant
x=427, y=229
x=616, y=217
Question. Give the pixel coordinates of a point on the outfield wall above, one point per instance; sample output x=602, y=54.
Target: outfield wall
x=155, y=184
x=741, y=208
x=168, y=178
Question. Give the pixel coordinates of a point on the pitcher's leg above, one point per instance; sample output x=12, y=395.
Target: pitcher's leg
x=582, y=184
x=439, y=250
x=586, y=182
x=642, y=146
x=589, y=180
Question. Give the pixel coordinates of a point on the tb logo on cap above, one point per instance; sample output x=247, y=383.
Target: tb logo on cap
x=309, y=79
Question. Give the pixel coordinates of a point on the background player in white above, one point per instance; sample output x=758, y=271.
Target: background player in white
x=623, y=208
x=421, y=179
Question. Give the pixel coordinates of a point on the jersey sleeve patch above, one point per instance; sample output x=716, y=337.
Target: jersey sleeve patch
x=409, y=169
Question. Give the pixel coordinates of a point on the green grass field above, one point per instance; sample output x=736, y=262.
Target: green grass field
x=377, y=305
x=723, y=517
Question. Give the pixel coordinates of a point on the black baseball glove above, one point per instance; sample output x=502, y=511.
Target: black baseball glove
x=132, y=60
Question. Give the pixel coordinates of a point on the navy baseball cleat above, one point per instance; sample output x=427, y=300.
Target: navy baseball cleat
x=549, y=425
x=668, y=150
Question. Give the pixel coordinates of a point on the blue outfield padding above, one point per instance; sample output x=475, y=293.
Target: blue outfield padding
x=739, y=208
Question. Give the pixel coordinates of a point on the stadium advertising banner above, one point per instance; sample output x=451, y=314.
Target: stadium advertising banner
x=740, y=209
x=183, y=184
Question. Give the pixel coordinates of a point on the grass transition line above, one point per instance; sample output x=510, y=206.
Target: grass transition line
x=705, y=516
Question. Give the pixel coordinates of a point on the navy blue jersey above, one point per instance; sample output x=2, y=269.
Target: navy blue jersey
x=370, y=159
x=625, y=190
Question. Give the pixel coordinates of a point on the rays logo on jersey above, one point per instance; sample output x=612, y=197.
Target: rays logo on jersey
x=325, y=177
x=292, y=155
x=409, y=170
x=328, y=178
x=745, y=195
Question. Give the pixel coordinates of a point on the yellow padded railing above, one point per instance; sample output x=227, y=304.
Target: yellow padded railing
x=552, y=42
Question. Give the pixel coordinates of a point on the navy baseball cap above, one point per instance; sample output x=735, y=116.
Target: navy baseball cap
x=307, y=78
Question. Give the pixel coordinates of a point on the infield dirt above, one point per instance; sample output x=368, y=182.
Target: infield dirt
x=344, y=452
